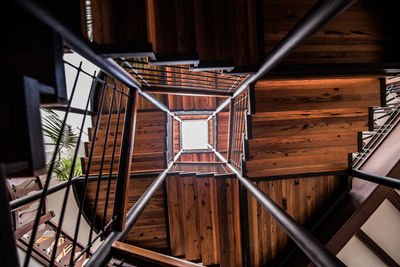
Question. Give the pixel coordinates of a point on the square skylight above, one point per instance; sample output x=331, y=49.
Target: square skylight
x=194, y=134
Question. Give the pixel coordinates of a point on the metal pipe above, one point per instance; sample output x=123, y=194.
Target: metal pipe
x=17, y=203
x=103, y=253
x=82, y=48
x=314, y=250
x=320, y=14
x=375, y=178
x=187, y=91
x=9, y=248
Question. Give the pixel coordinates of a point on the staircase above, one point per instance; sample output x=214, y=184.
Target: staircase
x=208, y=34
x=308, y=126
x=301, y=134
x=148, y=151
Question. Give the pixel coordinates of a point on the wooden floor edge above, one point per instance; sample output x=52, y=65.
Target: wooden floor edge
x=150, y=256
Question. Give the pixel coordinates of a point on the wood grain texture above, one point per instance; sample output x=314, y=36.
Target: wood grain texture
x=204, y=219
x=308, y=126
x=149, y=256
x=299, y=197
x=272, y=96
x=222, y=131
x=360, y=34
x=150, y=229
x=148, y=150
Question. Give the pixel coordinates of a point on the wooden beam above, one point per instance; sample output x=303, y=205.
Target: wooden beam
x=394, y=198
x=150, y=256
x=188, y=91
x=358, y=219
x=27, y=227
x=375, y=248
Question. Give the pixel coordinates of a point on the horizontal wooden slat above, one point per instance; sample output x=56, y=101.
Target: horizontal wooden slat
x=261, y=129
x=140, y=162
x=150, y=256
x=297, y=145
x=272, y=96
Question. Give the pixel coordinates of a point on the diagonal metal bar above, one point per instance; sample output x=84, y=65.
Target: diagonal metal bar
x=314, y=250
x=103, y=253
x=379, y=179
x=319, y=15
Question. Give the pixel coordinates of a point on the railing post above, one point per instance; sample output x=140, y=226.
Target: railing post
x=125, y=162
x=231, y=124
x=7, y=236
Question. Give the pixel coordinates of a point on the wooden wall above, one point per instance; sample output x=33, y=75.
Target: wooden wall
x=361, y=34
x=203, y=218
x=222, y=131
x=150, y=229
x=308, y=126
x=299, y=197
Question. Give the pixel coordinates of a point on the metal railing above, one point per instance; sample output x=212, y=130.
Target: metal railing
x=154, y=78
x=238, y=129
x=383, y=121
x=105, y=101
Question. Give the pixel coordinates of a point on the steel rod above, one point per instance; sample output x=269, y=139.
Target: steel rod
x=82, y=48
x=319, y=15
x=314, y=250
x=103, y=253
x=379, y=179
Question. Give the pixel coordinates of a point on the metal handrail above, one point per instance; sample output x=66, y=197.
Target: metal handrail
x=319, y=15
x=82, y=48
x=379, y=135
x=315, y=251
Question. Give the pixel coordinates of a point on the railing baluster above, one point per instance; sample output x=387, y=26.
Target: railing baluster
x=49, y=173
x=125, y=163
x=110, y=112
x=82, y=200
x=112, y=162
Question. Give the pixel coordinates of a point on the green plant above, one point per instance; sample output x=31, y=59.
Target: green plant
x=52, y=127
x=62, y=168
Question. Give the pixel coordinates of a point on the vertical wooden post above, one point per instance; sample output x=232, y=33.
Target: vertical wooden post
x=125, y=163
x=230, y=133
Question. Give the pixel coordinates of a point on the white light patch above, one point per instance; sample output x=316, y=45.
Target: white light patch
x=194, y=134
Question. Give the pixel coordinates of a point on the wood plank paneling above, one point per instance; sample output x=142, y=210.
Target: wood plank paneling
x=193, y=157
x=113, y=22
x=222, y=131
x=150, y=256
x=191, y=218
x=181, y=102
x=273, y=96
x=150, y=229
x=275, y=147
x=208, y=226
x=204, y=219
x=326, y=125
x=298, y=197
x=175, y=216
x=228, y=220
x=171, y=26
x=360, y=34
x=308, y=126
x=149, y=143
